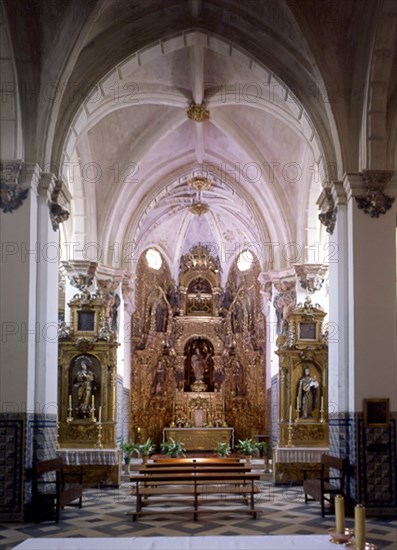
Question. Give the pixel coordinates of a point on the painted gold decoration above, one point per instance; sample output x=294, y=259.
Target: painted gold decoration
x=189, y=369
x=303, y=379
x=87, y=375
x=198, y=113
x=200, y=183
x=199, y=208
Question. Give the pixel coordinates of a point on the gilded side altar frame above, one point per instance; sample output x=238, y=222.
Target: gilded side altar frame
x=303, y=347
x=98, y=430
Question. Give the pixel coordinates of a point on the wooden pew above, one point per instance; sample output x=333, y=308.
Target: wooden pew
x=203, y=461
x=238, y=485
x=325, y=484
x=49, y=496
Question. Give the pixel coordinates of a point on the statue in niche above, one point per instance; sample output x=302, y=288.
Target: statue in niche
x=85, y=383
x=198, y=365
x=239, y=379
x=218, y=378
x=307, y=393
x=159, y=379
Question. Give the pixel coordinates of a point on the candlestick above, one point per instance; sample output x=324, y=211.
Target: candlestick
x=290, y=414
x=100, y=414
x=92, y=402
x=340, y=513
x=322, y=403
x=70, y=401
x=359, y=526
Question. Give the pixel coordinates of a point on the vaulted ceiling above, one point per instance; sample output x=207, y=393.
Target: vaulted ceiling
x=283, y=84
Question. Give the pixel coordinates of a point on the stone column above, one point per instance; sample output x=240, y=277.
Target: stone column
x=29, y=309
x=363, y=332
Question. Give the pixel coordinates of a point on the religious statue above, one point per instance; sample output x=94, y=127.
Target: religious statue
x=85, y=382
x=307, y=393
x=161, y=316
x=199, y=363
x=159, y=379
x=239, y=384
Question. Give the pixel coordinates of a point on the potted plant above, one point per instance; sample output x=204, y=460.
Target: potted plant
x=247, y=447
x=173, y=448
x=222, y=449
x=128, y=449
x=264, y=448
x=144, y=449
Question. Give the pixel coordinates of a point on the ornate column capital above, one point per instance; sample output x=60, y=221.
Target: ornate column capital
x=16, y=178
x=368, y=189
x=77, y=268
x=311, y=276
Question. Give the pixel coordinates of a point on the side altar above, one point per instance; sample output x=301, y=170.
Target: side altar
x=303, y=393
x=200, y=439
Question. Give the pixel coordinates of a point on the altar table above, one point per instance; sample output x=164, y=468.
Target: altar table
x=200, y=439
x=267, y=542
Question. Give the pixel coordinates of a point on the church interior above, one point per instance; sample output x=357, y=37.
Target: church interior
x=199, y=237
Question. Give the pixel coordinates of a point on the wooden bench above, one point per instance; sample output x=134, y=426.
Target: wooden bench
x=238, y=485
x=202, y=461
x=50, y=495
x=325, y=484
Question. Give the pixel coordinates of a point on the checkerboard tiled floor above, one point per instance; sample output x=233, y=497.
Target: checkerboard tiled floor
x=107, y=513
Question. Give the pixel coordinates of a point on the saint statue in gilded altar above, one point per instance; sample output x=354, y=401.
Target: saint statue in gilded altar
x=307, y=393
x=198, y=362
x=85, y=383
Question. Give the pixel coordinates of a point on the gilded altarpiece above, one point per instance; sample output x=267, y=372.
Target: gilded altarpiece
x=87, y=374
x=200, y=365
x=303, y=391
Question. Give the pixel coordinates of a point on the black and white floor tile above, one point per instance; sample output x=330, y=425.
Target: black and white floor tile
x=108, y=513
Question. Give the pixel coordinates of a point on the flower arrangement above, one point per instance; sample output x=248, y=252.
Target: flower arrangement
x=247, y=446
x=222, y=449
x=173, y=448
x=128, y=449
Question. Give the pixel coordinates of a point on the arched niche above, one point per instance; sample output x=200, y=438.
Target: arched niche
x=199, y=365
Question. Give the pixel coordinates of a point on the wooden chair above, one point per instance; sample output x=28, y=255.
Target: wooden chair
x=50, y=495
x=325, y=487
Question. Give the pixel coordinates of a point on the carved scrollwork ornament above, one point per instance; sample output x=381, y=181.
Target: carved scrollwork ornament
x=375, y=202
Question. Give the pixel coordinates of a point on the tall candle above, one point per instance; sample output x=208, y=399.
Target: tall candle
x=92, y=401
x=340, y=513
x=290, y=413
x=297, y=403
x=100, y=414
x=70, y=401
x=322, y=403
x=359, y=526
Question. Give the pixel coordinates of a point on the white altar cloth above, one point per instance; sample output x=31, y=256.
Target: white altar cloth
x=267, y=542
